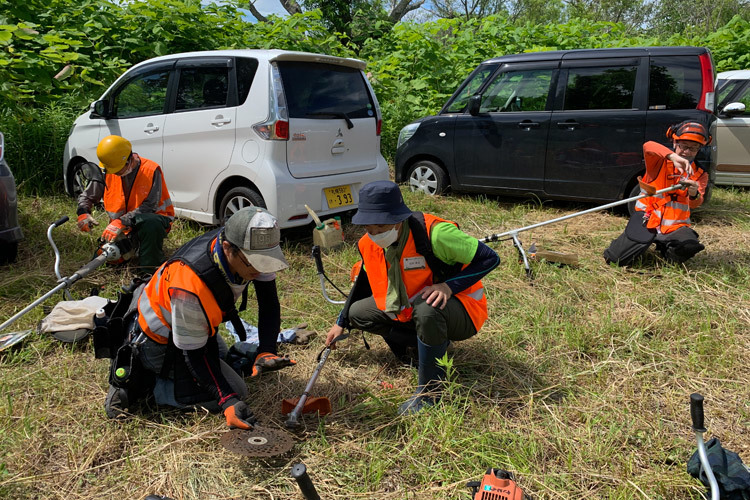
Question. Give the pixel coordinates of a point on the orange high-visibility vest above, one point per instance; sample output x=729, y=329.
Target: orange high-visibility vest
x=473, y=298
x=114, y=194
x=155, y=304
x=668, y=211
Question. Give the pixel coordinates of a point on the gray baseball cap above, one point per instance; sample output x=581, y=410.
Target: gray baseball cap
x=257, y=234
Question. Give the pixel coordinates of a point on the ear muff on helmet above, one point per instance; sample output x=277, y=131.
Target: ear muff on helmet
x=113, y=152
x=689, y=131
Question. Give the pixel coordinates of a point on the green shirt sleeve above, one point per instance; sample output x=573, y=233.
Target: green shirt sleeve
x=451, y=245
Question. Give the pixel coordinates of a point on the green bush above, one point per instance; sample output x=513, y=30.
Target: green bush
x=34, y=141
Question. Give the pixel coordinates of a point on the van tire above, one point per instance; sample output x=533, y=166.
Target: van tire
x=77, y=182
x=428, y=177
x=631, y=206
x=237, y=199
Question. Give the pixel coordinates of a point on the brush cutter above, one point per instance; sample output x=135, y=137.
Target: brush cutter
x=696, y=413
x=513, y=233
x=305, y=404
x=107, y=252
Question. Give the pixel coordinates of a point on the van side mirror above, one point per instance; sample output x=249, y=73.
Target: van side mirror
x=100, y=109
x=733, y=109
x=475, y=102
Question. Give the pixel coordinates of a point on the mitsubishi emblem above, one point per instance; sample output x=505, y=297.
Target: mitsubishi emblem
x=339, y=134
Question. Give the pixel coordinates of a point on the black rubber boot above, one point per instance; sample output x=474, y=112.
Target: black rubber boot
x=116, y=403
x=403, y=345
x=430, y=375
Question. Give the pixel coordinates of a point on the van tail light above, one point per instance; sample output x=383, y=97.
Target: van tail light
x=273, y=130
x=281, y=130
x=707, y=102
x=276, y=127
x=378, y=127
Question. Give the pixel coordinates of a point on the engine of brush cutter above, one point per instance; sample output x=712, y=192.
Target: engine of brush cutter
x=497, y=484
x=121, y=249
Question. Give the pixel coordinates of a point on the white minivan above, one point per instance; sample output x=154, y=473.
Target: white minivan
x=233, y=128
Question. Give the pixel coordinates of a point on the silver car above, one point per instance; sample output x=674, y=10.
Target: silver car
x=10, y=231
x=733, y=129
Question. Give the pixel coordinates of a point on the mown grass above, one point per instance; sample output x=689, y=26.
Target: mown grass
x=579, y=382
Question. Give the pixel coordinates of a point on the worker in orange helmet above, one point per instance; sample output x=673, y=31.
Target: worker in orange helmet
x=135, y=197
x=664, y=218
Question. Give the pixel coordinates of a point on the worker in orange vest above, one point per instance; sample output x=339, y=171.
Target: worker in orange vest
x=135, y=197
x=180, y=355
x=419, y=285
x=664, y=219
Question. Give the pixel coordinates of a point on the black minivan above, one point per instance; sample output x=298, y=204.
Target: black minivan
x=562, y=124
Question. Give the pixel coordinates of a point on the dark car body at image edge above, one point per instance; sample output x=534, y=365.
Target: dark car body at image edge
x=10, y=231
x=560, y=124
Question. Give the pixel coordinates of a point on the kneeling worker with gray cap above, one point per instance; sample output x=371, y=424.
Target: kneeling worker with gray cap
x=182, y=306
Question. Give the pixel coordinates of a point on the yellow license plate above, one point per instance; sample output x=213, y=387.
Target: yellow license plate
x=339, y=196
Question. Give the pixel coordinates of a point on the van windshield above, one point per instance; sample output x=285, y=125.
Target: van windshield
x=325, y=91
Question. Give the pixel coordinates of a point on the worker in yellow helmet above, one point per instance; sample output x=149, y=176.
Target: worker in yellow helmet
x=135, y=197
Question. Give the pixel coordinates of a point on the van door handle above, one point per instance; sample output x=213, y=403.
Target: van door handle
x=569, y=124
x=528, y=124
x=151, y=128
x=220, y=120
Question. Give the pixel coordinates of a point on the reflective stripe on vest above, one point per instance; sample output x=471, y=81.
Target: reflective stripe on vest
x=155, y=305
x=415, y=280
x=114, y=194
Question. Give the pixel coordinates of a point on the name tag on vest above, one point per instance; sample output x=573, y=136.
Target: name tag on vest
x=414, y=263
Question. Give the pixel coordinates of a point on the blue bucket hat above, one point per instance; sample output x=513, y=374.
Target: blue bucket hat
x=380, y=202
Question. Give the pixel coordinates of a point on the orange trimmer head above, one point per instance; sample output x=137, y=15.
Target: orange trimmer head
x=321, y=406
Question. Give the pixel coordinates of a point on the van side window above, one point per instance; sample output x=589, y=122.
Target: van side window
x=312, y=90
x=600, y=88
x=517, y=91
x=471, y=87
x=675, y=82
x=246, y=69
x=144, y=95
x=202, y=87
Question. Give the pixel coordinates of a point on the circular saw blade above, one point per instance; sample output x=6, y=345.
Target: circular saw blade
x=257, y=442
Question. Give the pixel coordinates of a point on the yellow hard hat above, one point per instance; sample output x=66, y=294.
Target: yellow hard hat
x=113, y=152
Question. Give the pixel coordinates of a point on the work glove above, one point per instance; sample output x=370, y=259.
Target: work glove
x=86, y=222
x=302, y=335
x=113, y=230
x=267, y=362
x=238, y=415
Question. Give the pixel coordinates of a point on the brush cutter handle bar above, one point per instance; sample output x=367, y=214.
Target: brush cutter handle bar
x=293, y=419
x=59, y=222
x=696, y=412
x=322, y=274
x=318, y=259
x=299, y=473
x=495, y=237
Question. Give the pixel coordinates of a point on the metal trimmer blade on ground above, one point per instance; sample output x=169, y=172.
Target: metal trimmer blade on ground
x=257, y=442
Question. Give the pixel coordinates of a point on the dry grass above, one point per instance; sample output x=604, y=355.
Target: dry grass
x=579, y=381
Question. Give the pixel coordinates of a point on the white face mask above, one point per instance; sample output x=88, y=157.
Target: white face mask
x=385, y=239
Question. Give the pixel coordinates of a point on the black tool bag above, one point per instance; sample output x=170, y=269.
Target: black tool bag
x=731, y=474
x=110, y=332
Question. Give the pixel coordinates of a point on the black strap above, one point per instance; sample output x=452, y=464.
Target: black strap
x=197, y=255
x=440, y=270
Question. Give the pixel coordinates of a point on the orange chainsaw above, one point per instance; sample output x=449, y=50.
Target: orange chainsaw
x=497, y=484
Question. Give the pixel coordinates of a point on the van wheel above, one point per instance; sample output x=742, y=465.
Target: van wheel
x=633, y=192
x=428, y=177
x=8, y=252
x=237, y=199
x=77, y=180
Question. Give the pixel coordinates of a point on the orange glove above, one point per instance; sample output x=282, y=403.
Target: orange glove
x=86, y=222
x=239, y=416
x=113, y=230
x=266, y=362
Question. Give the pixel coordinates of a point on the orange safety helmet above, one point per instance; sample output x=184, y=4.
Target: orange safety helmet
x=689, y=131
x=113, y=152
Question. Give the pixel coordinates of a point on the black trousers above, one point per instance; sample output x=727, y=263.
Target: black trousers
x=677, y=246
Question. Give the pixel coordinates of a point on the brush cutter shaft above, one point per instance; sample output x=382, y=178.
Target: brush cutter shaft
x=513, y=232
x=64, y=283
x=293, y=419
x=322, y=275
x=696, y=414
x=306, y=486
